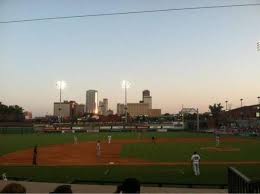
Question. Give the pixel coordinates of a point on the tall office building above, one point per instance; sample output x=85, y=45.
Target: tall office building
x=105, y=104
x=68, y=109
x=147, y=99
x=136, y=109
x=144, y=107
x=103, y=107
x=62, y=109
x=146, y=93
x=92, y=101
x=79, y=109
x=120, y=109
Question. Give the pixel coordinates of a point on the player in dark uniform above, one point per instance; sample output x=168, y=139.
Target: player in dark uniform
x=98, y=149
x=153, y=139
x=35, y=152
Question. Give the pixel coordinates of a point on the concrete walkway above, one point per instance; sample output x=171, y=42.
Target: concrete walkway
x=38, y=187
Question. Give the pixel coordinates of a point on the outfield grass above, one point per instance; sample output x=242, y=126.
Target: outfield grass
x=163, y=152
x=170, y=152
x=14, y=142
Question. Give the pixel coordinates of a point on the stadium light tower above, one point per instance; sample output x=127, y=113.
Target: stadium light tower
x=198, y=119
x=226, y=105
x=258, y=46
x=125, y=85
x=61, y=85
x=241, y=102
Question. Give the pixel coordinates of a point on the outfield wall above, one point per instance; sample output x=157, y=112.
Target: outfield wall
x=16, y=130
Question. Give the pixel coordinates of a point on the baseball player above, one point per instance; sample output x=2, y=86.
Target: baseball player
x=75, y=139
x=195, y=158
x=98, y=149
x=35, y=152
x=109, y=139
x=153, y=139
x=217, y=140
x=4, y=177
x=139, y=135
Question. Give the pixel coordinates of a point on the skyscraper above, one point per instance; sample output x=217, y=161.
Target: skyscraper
x=147, y=99
x=105, y=103
x=103, y=107
x=92, y=101
x=146, y=93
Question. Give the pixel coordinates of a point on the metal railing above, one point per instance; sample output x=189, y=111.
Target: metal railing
x=239, y=183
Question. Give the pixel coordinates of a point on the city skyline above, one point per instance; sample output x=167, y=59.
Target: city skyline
x=191, y=58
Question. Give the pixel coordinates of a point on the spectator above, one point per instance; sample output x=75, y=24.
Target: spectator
x=4, y=177
x=14, y=188
x=63, y=189
x=130, y=185
x=118, y=189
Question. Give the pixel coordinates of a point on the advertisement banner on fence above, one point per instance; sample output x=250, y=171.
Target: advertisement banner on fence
x=117, y=127
x=77, y=128
x=130, y=127
x=155, y=126
x=105, y=127
x=142, y=127
x=162, y=130
x=168, y=127
x=92, y=130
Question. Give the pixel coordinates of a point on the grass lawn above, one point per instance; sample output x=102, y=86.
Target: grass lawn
x=166, y=152
x=14, y=142
x=170, y=152
x=210, y=174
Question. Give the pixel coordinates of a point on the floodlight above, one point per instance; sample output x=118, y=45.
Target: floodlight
x=125, y=84
x=61, y=85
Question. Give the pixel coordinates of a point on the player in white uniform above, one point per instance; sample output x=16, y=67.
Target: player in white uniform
x=195, y=158
x=109, y=139
x=98, y=149
x=4, y=177
x=217, y=140
x=75, y=139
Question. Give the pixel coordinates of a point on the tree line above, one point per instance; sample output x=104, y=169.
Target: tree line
x=12, y=113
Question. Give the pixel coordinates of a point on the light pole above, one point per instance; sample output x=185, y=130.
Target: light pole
x=198, y=120
x=61, y=85
x=258, y=108
x=241, y=102
x=125, y=85
x=226, y=105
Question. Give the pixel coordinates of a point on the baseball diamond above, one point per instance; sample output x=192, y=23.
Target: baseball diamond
x=168, y=158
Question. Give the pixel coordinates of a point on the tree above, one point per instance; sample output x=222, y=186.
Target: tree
x=216, y=110
x=11, y=113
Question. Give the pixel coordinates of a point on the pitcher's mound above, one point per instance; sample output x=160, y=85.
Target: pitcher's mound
x=220, y=149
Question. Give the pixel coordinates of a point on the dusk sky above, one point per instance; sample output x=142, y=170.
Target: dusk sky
x=192, y=57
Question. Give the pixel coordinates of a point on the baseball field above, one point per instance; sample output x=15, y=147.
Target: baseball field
x=130, y=154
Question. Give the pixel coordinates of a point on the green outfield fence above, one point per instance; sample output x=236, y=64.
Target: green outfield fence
x=16, y=130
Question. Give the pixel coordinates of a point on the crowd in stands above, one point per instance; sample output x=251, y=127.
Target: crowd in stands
x=129, y=185
x=247, y=131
